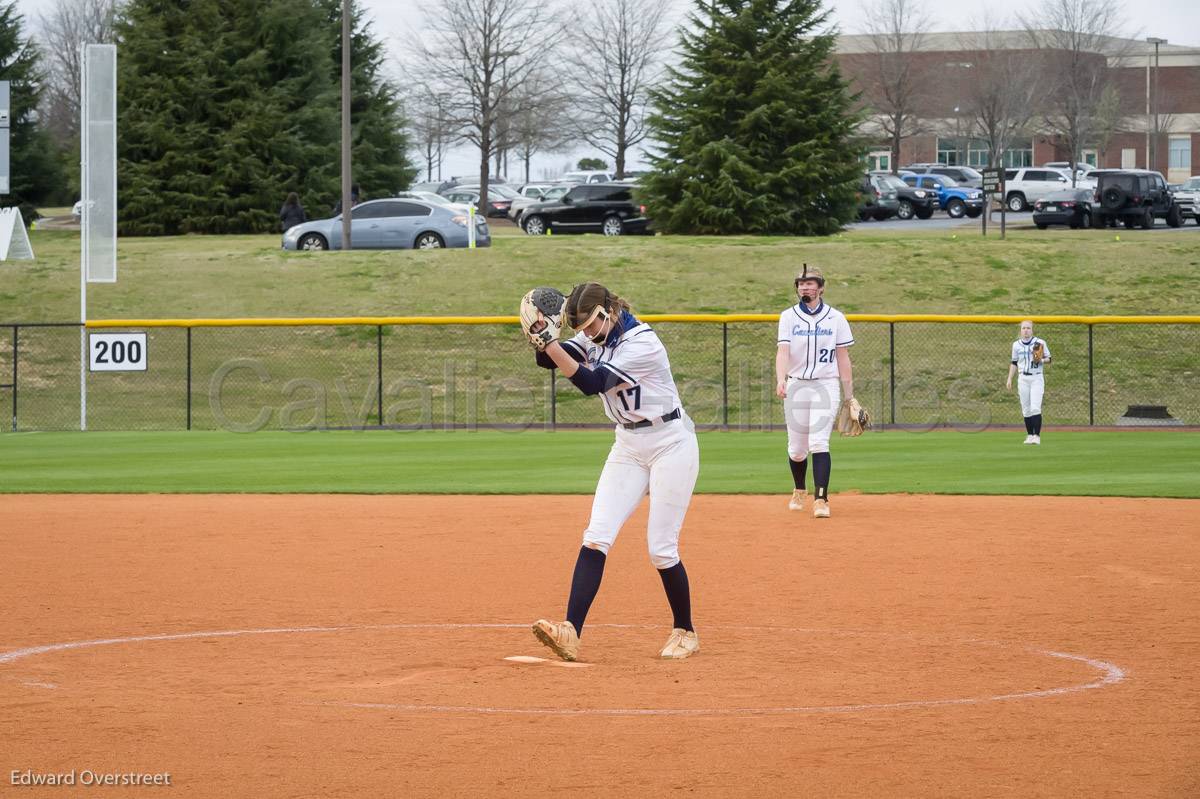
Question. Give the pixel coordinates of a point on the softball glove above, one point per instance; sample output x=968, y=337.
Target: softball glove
x=852, y=418
x=542, y=315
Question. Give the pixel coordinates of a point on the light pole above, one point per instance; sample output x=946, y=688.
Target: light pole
x=1152, y=107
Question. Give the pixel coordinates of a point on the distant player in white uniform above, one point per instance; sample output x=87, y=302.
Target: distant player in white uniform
x=812, y=373
x=1029, y=355
x=621, y=360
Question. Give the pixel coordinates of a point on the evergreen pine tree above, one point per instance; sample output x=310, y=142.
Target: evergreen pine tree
x=755, y=125
x=213, y=125
x=34, y=172
x=225, y=106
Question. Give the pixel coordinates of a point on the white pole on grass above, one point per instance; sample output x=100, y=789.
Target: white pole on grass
x=83, y=239
x=98, y=180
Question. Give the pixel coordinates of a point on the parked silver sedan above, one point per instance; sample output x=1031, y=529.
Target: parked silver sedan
x=390, y=224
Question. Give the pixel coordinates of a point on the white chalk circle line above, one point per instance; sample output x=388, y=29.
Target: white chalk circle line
x=1109, y=673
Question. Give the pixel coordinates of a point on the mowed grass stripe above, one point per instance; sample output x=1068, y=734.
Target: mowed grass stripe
x=1134, y=463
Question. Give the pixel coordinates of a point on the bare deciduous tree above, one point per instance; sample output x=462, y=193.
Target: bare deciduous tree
x=894, y=81
x=615, y=57
x=542, y=125
x=69, y=25
x=484, y=51
x=1077, y=39
x=432, y=128
x=1109, y=121
x=1003, y=90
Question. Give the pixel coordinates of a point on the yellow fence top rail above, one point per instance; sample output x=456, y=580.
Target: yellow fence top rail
x=690, y=318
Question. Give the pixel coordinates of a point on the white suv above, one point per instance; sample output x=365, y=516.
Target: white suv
x=1025, y=186
x=1188, y=198
x=587, y=176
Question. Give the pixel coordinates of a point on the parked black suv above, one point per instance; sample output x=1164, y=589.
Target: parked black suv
x=607, y=208
x=913, y=201
x=1135, y=197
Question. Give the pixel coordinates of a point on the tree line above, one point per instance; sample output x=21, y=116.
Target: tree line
x=224, y=106
x=741, y=109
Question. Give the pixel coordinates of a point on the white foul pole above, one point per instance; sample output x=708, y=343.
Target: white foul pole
x=98, y=180
x=84, y=230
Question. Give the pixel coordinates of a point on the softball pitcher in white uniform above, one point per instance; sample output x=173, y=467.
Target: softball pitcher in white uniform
x=1029, y=355
x=812, y=373
x=622, y=360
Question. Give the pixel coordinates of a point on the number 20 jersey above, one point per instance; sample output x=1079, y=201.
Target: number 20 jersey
x=639, y=361
x=813, y=339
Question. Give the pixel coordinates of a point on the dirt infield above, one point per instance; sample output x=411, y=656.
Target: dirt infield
x=354, y=646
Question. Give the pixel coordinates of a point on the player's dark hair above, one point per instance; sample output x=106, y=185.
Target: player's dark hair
x=586, y=296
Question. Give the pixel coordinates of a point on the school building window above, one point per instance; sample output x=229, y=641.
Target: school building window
x=1180, y=152
x=879, y=161
x=974, y=152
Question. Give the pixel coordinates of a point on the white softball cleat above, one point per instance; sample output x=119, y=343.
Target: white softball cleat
x=797, y=501
x=821, y=509
x=559, y=636
x=681, y=644
x=1036, y=440
x=1028, y=439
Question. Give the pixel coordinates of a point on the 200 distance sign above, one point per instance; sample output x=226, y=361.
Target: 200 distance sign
x=117, y=352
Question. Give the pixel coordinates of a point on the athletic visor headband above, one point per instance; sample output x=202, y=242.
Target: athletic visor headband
x=599, y=311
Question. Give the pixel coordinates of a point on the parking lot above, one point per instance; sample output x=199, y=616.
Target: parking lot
x=1014, y=221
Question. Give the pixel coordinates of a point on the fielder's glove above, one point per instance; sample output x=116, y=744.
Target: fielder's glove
x=1037, y=353
x=852, y=418
x=542, y=315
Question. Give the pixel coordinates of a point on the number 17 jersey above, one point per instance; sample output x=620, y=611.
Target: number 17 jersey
x=636, y=371
x=813, y=338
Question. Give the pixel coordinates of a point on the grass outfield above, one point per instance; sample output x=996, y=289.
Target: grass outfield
x=921, y=270
x=942, y=374
x=1136, y=464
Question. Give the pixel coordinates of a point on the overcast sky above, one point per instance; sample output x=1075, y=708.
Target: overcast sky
x=1175, y=20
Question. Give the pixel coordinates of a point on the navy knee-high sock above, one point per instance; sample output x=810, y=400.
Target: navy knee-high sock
x=585, y=583
x=1029, y=425
x=1037, y=424
x=799, y=471
x=821, y=467
x=675, y=583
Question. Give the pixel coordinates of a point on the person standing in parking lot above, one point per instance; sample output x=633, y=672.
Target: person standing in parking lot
x=292, y=212
x=355, y=199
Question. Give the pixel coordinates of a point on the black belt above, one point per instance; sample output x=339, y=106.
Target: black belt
x=1030, y=374
x=670, y=417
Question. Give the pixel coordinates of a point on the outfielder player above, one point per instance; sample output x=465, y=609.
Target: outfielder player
x=622, y=360
x=812, y=373
x=1029, y=355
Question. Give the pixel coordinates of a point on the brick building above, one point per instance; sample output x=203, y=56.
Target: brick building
x=945, y=120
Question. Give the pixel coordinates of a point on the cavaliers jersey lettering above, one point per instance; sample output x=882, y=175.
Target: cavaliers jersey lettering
x=646, y=389
x=813, y=339
x=1022, y=355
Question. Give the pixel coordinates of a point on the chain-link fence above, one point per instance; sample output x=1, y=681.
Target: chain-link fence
x=433, y=374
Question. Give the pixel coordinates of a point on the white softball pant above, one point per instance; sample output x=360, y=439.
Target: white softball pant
x=810, y=410
x=1031, y=388
x=662, y=460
